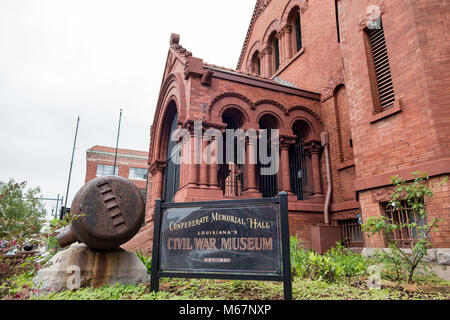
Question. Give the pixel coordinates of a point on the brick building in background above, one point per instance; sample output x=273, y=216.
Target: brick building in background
x=378, y=87
x=130, y=164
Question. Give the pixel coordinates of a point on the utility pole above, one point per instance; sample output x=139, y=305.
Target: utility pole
x=71, y=163
x=117, y=144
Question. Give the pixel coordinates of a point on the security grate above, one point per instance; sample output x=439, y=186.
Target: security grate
x=382, y=68
x=351, y=233
x=403, y=216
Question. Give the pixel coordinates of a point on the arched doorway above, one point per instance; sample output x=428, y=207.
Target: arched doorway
x=300, y=162
x=268, y=184
x=230, y=176
x=172, y=168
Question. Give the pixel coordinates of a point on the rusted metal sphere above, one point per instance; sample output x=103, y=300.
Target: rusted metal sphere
x=113, y=209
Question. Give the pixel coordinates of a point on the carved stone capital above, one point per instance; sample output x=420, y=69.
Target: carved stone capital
x=372, y=13
x=287, y=29
x=313, y=147
x=157, y=165
x=266, y=50
x=286, y=141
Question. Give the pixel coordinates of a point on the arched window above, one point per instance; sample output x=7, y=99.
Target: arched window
x=298, y=31
x=276, y=50
x=172, y=169
x=295, y=22
x=273, y=44
x=256, y=64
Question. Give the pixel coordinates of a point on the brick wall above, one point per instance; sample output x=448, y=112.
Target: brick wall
x=123, y=163
x=413, y=135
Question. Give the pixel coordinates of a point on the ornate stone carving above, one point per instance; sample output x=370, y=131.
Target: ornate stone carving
x=335, y=79
x=261, y=5
x=372, y=14
x=303, y=5
x=157, y=165
x=286, y=141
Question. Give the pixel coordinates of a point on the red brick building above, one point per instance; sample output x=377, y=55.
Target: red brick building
x=374, y=75
x=130, y=164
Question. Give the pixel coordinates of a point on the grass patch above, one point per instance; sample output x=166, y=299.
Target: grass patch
x=205, y=289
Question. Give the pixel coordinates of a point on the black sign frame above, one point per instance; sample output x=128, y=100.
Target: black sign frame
x=285, y=276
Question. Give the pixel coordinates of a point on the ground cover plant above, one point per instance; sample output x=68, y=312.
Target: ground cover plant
x=338, y=274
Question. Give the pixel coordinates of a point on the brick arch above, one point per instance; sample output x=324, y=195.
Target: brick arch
x=274, y=27
x=273, y=114
x=274, y=108
x=273, y=103
x=226, y=100
x=313, y=121
x=255, y=47
x=171, y=90
x=301, y=4
x=171, y=108
x=305, y=110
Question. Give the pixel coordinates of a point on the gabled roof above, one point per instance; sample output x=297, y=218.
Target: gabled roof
x=259, y=8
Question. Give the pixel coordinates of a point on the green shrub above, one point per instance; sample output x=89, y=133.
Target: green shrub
x=348, y=263
x=335, y=264
x=410, y=198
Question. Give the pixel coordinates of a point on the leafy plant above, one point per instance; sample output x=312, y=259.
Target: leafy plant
x=338, y=262
x=410, y=198
x=349, y=264
x=21, y=213
x=146, y=260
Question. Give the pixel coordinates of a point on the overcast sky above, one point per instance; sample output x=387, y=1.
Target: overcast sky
x=64, y=58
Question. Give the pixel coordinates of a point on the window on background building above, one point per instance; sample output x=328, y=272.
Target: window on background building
x=138, y=174
x=106, y=170
x=379, y=69
x=400, y=216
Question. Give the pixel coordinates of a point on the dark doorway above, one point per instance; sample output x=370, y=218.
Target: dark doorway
x=268, y=185
x=172, y=170
x=298, y=161
x=232, y=118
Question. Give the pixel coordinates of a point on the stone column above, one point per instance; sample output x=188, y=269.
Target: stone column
x=285, y=143
x=314, y=149
x=203, y=180
x=192, y=166
x=266, y=62
x=157, y=171
x=287, y=39
x=213, y=166
x=251, y=165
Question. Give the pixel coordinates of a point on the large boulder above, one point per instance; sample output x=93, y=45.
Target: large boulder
x=80, y=266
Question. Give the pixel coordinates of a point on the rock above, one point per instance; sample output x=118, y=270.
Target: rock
x=431, y=256
x=409, y=287
x=443, y=256
x=388, y=283
x=80, y=266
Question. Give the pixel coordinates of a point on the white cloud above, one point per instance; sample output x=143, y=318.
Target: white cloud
x=61, y=58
